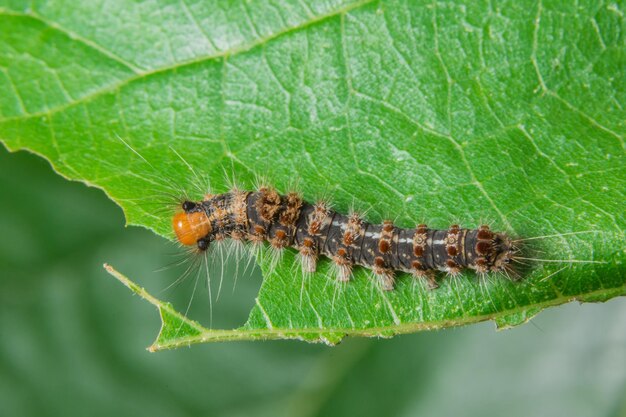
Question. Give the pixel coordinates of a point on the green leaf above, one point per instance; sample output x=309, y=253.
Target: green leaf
x=463, y=112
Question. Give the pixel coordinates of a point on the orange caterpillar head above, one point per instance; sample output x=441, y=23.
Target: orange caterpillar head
x=192, y=226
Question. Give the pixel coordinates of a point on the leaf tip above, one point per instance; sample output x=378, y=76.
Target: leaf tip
x=123, y=279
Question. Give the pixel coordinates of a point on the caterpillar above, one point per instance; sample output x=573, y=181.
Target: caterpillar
x=348, y=240
x=314, y=230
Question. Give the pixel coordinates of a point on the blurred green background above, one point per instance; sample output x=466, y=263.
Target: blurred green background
x=72, y=339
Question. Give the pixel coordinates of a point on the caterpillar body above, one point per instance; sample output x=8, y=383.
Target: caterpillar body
x=316, y=230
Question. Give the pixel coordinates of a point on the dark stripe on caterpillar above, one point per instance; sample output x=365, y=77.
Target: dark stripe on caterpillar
x=348, y=240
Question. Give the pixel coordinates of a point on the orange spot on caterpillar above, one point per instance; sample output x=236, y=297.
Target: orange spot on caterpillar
x=348, y=238
x=484, y=233
x=314, y=228
x=451, y=264
x=483, y=247
x=388, y=226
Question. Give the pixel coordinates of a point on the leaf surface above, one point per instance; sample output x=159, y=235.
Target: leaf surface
x=440, y=112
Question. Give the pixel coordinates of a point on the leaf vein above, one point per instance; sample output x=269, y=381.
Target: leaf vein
x=139, y=75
